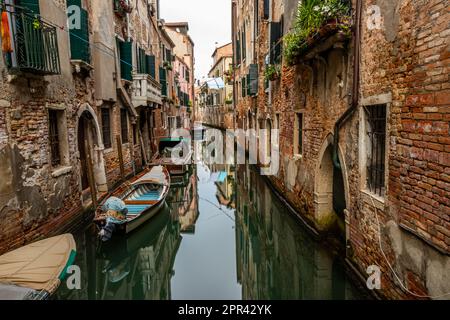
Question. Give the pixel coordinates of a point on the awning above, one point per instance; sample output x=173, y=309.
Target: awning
x=215, y=83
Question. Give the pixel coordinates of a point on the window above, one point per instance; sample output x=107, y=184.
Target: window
x=54, y=137
x=376, y=148
x=298, y=135
x=135, y=134
x=124, y=125
x=106, y=127
x=58, y=140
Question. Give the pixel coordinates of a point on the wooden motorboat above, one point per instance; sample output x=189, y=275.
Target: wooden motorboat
x=35, y=271
x=143, y=197
x=164, y=156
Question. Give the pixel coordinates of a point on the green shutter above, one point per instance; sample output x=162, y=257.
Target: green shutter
x=79, y=38
x=244, y=87
x=247, y=82
x=253, y=80
x=142, y=61
x=126, y=61
x=31, y=6
x=151, y=66
x=162, y=80
x=74, y=3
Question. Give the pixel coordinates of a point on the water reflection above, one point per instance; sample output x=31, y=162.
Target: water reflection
x=276, y=258
x=222, y=235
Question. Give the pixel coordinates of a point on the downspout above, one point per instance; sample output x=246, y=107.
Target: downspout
x=356, y=84
x=233, y=63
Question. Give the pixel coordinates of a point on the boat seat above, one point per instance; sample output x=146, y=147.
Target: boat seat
x=140, y=202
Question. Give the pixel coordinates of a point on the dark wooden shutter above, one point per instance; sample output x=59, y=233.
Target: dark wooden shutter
x=247, y=82
x=151, y=66
x=168, y=55
x=163, y=81
x=253, y=80
x=31, y=6
x=275, y=47
x=266, y=9
x=79, y=38
x=238, y=50
x=126, y=61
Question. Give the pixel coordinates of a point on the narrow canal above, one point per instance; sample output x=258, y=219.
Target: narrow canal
x=222, y=235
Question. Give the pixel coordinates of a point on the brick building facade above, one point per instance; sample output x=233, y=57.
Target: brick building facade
x=363, y=121
x=68, y=123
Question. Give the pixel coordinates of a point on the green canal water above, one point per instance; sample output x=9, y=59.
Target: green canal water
x=222, y=235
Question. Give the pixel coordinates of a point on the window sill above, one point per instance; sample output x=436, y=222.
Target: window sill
x=297, y=157
x=60, y=171
x=108, y=150
x=373, y=199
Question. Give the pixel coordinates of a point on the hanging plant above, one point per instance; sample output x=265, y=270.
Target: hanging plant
x=123, y=7
x=167, y=65
x=316, y=19
x=272, y=72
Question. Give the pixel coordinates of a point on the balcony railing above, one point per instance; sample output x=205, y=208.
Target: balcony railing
x=36, y=45
x=145, y=90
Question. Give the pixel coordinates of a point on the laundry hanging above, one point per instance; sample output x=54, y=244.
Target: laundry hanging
x=5, y=33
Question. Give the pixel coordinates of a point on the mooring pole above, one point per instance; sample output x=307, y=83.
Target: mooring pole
x=119, y=150
x=90, y=173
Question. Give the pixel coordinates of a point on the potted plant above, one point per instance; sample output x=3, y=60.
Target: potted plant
x=123, y=7
x=272, y=72
x=167, y=65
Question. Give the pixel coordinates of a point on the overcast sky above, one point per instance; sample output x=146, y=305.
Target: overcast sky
x=209, y=22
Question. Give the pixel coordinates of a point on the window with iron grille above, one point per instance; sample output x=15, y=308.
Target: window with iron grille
x=298, y=137
x=124, y=125
x=376, y=147
x=106, y=127
x=54, y=137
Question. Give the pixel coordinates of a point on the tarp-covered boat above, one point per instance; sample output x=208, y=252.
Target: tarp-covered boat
x=164, y=155
x=137, y=201
x=35, y=271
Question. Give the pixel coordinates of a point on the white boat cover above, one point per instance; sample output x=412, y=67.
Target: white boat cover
x=156, y=175
x=40, y=265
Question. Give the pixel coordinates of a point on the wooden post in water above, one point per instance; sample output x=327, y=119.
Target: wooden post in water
x=144, y=152
x=119, y=150
x=90, y=173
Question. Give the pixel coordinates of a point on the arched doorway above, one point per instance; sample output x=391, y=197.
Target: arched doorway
x=330, y=198
x=90, y=145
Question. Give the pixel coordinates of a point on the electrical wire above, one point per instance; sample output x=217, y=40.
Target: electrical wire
x=403, y=286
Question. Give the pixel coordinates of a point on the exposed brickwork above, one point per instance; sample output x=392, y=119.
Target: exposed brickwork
x=405, y=65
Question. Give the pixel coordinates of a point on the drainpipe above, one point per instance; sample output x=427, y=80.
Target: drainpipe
x=233, y=63
x=356, y=84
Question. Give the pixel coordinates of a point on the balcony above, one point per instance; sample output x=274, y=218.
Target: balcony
x=146, y=90
x=35, y=48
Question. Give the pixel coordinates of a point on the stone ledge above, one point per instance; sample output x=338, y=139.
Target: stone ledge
x=61, y=171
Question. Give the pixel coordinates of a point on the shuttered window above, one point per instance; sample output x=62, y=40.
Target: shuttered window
x=266, y=9
x=275, y=42
x=163, y=81
x=79, y=38
x=31, y=6
x=142, y=61
x=253, y=80
x=238, y=50
x=126, y=61
x=151, y=66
